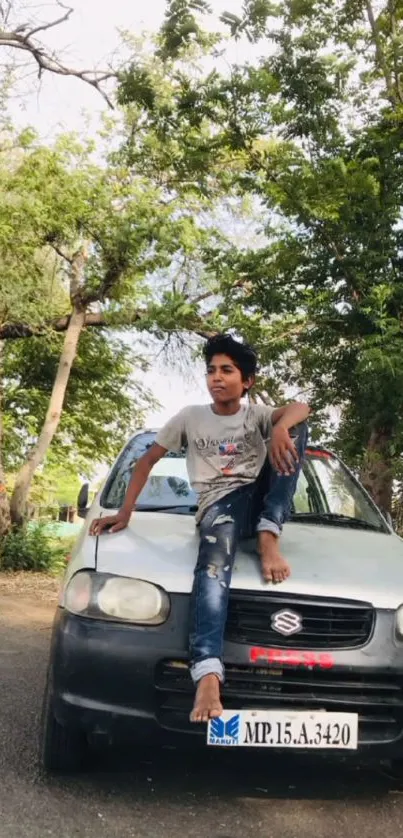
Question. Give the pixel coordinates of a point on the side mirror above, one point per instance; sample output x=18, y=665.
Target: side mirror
x=82, y=500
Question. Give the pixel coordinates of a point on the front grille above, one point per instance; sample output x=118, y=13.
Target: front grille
x=378, y=700
x=325, y=625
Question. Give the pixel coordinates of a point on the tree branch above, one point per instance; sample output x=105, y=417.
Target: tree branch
x=395, y=48
x=44, y=26
x=96, y=319
x=264, y=397
x=24, y=38
x=379, y=53
x=61, y=253
x=13, y=331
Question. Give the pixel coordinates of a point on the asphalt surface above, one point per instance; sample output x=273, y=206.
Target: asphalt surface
x=176, y=793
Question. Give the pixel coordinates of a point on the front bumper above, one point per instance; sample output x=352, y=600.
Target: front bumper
x=117, y=681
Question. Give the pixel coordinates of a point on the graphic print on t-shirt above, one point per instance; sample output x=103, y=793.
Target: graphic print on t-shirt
x=225, y=454
x=228, y=452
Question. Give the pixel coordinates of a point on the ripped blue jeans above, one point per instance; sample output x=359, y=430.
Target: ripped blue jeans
x=260, y=506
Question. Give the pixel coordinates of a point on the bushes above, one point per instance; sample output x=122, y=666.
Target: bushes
x=31, y=548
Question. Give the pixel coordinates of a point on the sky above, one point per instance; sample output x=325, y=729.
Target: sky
x=90, y=38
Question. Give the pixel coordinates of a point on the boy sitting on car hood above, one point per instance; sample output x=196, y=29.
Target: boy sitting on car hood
x=243, y=461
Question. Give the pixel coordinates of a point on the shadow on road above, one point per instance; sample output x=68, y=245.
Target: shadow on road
x=230, y=796
x=167, y=773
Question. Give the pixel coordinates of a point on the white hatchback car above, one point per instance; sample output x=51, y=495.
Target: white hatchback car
x=316, y=662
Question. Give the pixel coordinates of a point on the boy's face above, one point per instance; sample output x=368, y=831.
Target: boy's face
x=224, y=380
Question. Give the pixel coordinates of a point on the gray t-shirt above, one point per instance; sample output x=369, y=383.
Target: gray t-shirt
x=223, y=452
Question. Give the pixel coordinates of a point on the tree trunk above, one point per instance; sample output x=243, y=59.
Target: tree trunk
x=5, y=517
x=397, y=513
x=377, y=470
x=52, y=419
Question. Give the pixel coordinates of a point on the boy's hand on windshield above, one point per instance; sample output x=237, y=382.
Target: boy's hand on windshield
x=111, y=523
x=283, y=454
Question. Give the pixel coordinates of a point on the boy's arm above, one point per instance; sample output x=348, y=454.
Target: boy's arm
x=283, y=454
x=136, y=485
x=290, y=415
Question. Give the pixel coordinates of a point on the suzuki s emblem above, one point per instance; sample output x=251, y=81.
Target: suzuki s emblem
x=286, y=622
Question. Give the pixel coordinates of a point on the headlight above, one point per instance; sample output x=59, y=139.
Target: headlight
x=77, y=596
x=106, y=597
x=399, y=622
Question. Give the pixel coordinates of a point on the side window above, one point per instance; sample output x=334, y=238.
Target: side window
x=301, y=498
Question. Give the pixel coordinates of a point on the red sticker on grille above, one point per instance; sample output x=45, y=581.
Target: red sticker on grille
x=292, y=657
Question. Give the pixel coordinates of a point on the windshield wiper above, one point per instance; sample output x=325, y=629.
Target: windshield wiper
x=335, y=518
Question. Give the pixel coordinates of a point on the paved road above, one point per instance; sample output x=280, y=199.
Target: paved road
x=218, y=795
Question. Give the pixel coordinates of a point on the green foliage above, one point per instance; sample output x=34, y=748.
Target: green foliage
x=56, y=200
x=106, y=398
x=312, y=129
x=31, y=548
x=181, y=29
x=58, y=484
x=93, y=236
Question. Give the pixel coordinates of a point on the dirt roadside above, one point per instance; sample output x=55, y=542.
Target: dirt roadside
x=28, y=598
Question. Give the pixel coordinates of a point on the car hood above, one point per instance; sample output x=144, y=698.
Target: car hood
x=325, y=561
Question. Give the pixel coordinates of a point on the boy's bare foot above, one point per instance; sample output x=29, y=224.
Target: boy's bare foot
x=274, y=568
x=207, y=701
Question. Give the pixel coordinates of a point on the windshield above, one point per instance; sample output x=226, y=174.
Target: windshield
x=167, y=486
x=326, y=491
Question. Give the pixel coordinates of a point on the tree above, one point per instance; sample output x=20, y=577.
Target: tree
x=313, y=130
x=108, y=380
x=5, y=517
x=24, y=284
x=89, y=239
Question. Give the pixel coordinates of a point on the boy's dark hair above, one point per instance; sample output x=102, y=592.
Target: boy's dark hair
x=242, y=354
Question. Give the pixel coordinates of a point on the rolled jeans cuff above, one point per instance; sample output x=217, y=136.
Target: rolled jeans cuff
x=208, y=666
x=264, y=525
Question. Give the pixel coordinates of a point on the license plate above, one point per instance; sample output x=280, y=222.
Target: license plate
x=283, y=729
